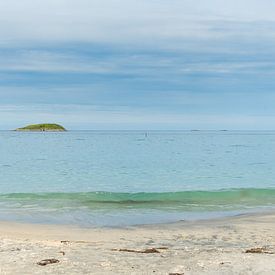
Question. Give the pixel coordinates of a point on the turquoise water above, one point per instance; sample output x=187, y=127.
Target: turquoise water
x=122, y=178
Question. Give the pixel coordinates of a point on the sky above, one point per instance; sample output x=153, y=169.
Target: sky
x=138, y=64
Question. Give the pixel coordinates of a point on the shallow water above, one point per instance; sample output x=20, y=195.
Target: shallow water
x=123, y=178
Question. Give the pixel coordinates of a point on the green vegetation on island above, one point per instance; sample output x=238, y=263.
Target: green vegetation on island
x=43, y=128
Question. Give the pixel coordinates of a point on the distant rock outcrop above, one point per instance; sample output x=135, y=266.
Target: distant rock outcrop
x=42, y=128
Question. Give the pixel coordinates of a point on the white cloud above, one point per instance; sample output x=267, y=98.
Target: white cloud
x=125, y=21
x=157, y=43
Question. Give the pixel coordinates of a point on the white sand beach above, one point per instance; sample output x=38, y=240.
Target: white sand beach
x=201, y=247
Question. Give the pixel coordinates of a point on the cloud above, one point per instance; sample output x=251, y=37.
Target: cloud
x=136, y=37
x=158, y=62
x=52, y=61
x=138, y=64
x=134, y=22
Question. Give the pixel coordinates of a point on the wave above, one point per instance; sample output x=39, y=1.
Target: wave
x=178, y=200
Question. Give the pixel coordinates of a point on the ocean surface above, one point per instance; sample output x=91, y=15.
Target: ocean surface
x=121, y=178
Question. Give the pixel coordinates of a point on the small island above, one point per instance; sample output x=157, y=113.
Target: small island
x=42, y=128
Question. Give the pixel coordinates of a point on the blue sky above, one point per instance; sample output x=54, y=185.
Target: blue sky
x=138, y=64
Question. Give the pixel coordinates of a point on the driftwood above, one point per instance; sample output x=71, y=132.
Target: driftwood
x=259, y=250
x=145, y=251
x=48, y=261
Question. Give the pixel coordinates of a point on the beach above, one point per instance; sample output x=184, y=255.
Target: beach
x=137, y=137
x=105, y=202
x=238, y=245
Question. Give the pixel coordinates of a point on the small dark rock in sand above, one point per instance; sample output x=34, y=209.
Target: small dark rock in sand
x=222, y=263
x=48, y=261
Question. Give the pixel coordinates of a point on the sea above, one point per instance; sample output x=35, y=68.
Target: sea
x=127, y=178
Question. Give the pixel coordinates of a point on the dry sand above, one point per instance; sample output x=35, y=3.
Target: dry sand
x=202, y=247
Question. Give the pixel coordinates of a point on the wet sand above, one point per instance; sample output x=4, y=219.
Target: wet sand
x=201, y=247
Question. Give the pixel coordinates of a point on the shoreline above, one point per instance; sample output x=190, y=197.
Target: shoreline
x=29, y=229
x=214, y=246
